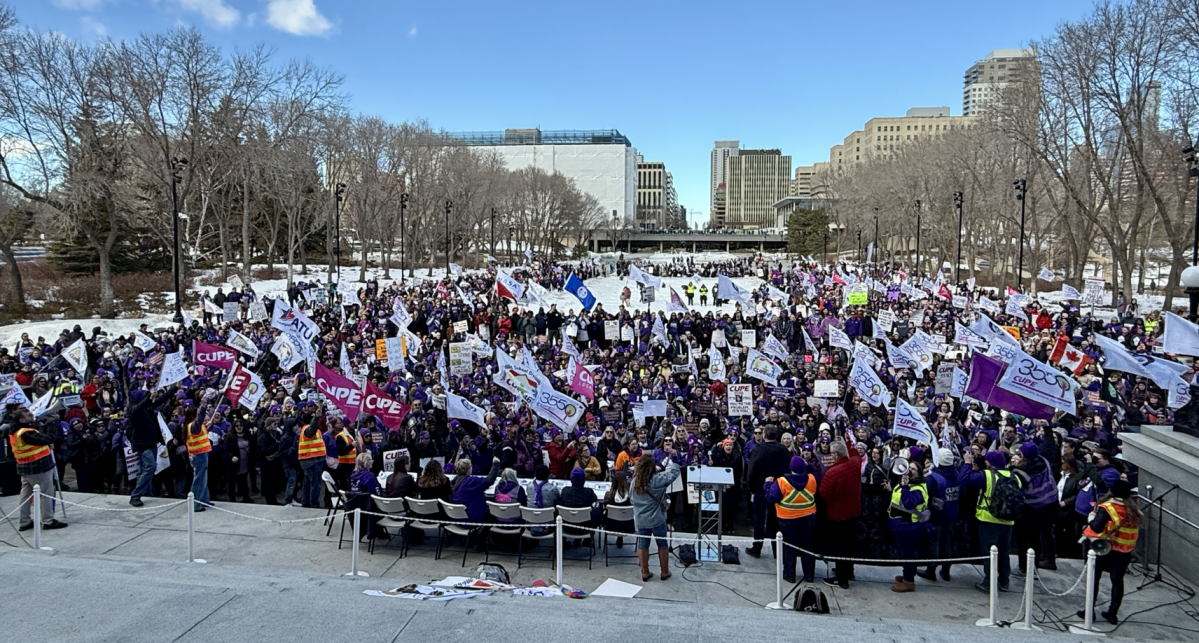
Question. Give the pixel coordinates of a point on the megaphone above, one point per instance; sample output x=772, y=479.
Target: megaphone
x=1101, y=546
x=900, y=466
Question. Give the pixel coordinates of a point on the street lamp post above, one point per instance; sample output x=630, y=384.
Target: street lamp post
x=859, y=246
x=493, y=231
x=826, y=248
x=957, y=203
x=448, y=206
x=1021, y=186
x=916, y=271
x=338, y=194
x=876, y=246
x=511, y=233
x=177, y=165
x=403, y=204
x=1188, y=155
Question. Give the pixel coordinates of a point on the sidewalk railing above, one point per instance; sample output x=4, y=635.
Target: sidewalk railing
x=1023, y=619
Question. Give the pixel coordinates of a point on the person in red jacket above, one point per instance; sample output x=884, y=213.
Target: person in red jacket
x=841, y=491
x=562, y=455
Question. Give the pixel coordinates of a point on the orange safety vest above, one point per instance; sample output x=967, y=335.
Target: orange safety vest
x=27, y=453
x=311, y=448
x=796, y=503
x=1122, y=536
x=198, y=444
x=350, y=457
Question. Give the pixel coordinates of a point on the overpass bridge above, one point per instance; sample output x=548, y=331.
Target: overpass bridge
x=634, y=241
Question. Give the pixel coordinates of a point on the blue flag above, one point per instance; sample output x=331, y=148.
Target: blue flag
x=575, y=286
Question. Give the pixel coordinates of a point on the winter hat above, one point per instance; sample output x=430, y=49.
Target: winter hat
x=1029, y=450
x=577, y=476
x=1121, y=489
x=798, y=465
x=996, y=459
x=916, y=454
x=945, y=458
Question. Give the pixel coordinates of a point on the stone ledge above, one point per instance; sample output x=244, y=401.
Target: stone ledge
x=1169, y=455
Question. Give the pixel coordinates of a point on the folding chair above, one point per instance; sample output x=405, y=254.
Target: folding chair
x=507, y=519
x=339, y=504
x=397, y=518
x=578, y=516
x=420, y=513
x=536, y=519
x=457, y=512
x=619, y=519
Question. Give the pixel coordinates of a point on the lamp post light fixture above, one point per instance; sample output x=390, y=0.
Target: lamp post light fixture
x=177, y=167
x=1021, y=186
x=957, y=204
x=403, y=204
x=859, y=245
x=511, y=234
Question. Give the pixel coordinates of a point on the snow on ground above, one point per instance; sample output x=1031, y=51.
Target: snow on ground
x=11, y=334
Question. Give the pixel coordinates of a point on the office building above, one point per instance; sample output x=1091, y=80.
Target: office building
x=657, y=200
x=602, y=163
x=754, y=181
x=721, y=151
x=985, y=79
x=884, y=136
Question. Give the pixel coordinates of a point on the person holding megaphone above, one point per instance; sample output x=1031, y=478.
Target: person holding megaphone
x=1112, y=530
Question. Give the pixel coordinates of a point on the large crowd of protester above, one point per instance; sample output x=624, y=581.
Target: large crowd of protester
x=833, y=469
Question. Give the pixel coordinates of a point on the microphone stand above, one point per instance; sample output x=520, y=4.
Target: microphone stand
x=1157, y=574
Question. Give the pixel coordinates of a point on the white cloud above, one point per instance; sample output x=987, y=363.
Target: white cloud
x=412, y=32
x=215, y=12
x=94, y=26
x=84, y=5
x=299, y=17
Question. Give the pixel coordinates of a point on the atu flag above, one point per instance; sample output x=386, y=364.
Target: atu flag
x=205, y=354
x=343, y=392
x=379, y=404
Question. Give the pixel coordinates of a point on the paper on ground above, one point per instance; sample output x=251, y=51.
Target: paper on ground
x=619, y=589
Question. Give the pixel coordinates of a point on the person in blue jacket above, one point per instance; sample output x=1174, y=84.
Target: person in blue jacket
x=943, y=491
x=471, y=490
x=908, y=515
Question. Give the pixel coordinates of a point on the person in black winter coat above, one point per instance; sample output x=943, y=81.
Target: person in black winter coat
x=769, y=459
x=144, y=436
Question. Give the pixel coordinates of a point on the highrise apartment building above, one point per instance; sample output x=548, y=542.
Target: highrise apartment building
x=754, y=181
x=986, y=78
x=721, y=151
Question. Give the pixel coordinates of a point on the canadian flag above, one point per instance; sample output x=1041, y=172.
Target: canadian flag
x=1012, y=291
x=944, y=292
x=1068, y=356
x=837, y=279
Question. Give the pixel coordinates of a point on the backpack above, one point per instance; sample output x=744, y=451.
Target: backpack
x=812, y=600
x=493, y=572
x=729, y=555
x=1007, y=499
x=686, y=554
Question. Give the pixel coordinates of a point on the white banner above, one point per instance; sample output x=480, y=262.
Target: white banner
x=866, y=382
x=1092, y=291
x=562, y=410
x=910, y=424
x=242, y=344
x=838, y=338
x=174, y=369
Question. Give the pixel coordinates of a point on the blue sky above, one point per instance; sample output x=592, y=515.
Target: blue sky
x=672, y=76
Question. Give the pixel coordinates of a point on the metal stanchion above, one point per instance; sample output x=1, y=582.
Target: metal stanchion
x=357, y=543
x=37, y=519
x=1029, y=580
x=778, y=575
x=558, y=547
x=1088, y=621
x=191, y=530
x=993, y=591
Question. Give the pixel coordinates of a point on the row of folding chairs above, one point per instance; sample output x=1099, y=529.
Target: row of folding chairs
x=406, y=515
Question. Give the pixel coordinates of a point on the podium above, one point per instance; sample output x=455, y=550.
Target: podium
x=709, y=484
